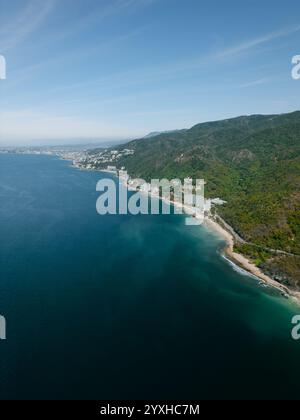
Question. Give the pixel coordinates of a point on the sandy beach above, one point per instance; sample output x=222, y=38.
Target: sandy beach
x=243, y=262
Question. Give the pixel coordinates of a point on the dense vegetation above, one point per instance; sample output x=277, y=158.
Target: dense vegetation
x=251, y=162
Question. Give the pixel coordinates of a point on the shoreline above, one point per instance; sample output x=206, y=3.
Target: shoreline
x=243, y=262
x=238, y=260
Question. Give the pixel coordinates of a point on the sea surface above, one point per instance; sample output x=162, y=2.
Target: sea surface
x=127, y=307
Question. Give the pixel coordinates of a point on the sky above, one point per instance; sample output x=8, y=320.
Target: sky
x=99, y=70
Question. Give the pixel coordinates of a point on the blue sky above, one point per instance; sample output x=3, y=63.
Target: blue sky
x=109, y=69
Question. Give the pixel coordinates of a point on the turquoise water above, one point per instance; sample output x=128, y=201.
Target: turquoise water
x=120, y=307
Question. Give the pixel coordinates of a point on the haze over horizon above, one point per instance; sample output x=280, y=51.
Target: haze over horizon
x=119, y=69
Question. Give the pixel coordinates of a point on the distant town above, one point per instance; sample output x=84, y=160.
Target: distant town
x=85, y=158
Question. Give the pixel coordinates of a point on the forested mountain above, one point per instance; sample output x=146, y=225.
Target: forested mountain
x=252, y=162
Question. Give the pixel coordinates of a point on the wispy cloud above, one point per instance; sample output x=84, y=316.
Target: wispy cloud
x=250, y=44
x=75, y=55
x=254, y=83
x=96, y=91
x=100, y=13
x=169, y=70
x=31, y=17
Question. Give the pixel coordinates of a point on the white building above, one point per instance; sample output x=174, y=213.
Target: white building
x=112, y=169
x=218, y=202
x=207, y=206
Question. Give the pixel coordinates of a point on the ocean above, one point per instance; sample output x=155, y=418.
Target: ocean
x=127, y=307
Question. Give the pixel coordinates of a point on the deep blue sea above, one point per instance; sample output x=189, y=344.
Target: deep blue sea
x=127, y=307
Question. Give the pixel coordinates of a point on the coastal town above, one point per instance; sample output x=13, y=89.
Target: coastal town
x=82, y=157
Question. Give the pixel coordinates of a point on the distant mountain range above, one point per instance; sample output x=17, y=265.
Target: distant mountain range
x=252, y=162
x=158, y=133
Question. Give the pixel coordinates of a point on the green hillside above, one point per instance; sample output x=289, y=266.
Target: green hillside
x=251, y=162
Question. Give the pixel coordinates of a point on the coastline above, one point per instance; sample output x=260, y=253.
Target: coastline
x=237, y=260
x=243, y=262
